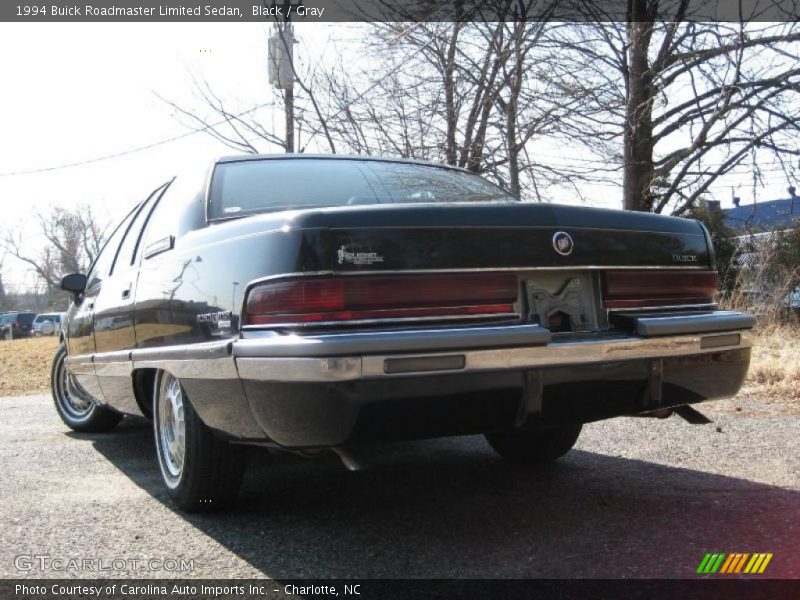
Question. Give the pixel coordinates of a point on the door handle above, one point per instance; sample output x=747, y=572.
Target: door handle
x=126, y=293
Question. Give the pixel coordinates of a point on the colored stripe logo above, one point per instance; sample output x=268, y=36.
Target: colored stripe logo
x=734, y=562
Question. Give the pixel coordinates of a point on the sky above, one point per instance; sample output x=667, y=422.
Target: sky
x=78, y=92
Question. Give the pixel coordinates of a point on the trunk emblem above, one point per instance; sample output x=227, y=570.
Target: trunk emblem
x=562, y=243
x=346, y=256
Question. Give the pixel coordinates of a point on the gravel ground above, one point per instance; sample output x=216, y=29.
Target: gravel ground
x=637, y=498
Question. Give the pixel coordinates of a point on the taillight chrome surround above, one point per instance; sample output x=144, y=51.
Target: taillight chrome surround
x=362, y=299
x=645, y=289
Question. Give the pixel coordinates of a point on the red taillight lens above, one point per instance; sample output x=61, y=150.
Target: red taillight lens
x=318, y=300
x=643, y=289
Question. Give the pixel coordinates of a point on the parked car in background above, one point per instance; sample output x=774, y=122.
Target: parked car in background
x=311, y=303
x=792, y=301
x=15, y=325
x=47, y=324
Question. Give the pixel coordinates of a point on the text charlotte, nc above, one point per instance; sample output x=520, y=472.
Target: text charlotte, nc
x=197, y=10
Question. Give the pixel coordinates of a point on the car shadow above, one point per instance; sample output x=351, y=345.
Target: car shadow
x=451, y=508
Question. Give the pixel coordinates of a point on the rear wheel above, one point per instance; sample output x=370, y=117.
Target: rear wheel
x=73, y=404
x=201, y=471
x=535, y=446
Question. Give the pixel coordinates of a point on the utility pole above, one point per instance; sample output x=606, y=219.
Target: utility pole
x=281, y=64
x=288, y=98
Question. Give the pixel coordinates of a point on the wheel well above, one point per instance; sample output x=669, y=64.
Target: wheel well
x=143, y=382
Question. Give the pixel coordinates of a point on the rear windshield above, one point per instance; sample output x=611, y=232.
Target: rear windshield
x=247, y=187
x=25, y=318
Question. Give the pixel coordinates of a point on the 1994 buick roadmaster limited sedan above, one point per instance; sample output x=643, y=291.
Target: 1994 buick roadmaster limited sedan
x=311, y=303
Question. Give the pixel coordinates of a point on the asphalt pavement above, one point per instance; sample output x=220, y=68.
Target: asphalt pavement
x=636, y=498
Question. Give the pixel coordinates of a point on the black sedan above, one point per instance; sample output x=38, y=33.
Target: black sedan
x=310, y=303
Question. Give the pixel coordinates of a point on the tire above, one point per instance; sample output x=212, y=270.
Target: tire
x=201, y=471
x=535, y=446
x=75, y=406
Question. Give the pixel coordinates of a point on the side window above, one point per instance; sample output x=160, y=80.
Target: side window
x=102, y=264
x=124, y=256
x=130, y=244
x=162, y=228
x=138, y=248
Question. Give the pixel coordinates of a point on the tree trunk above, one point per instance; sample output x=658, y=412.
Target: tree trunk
x=638, y=133
x=450, y=97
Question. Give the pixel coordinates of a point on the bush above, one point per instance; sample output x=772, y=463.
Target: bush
x=766, y=269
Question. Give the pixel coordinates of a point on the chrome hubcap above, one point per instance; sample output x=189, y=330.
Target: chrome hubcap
x=74, y=403
x=171, y=427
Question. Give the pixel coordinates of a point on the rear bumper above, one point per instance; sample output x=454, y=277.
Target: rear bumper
x=380, y=355
x=328, y=390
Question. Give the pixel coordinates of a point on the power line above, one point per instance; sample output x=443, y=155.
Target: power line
x=134, y=150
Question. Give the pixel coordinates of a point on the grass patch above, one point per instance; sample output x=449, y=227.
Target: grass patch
x=25, y=365
x=775, y=365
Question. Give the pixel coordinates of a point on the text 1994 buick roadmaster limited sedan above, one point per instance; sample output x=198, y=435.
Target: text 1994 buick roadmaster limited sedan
x=311, y=302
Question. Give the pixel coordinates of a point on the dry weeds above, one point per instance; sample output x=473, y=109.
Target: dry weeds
x=774, y=375
x=25, y=365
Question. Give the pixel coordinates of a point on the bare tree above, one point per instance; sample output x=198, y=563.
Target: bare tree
x=73, y=239
x=474, y=95
x=662, y=102
x=690, y=101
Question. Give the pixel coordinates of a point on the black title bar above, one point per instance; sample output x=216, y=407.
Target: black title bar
x=388, y=589
x=331, y=11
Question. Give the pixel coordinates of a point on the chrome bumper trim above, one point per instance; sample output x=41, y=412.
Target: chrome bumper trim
x=300, y=369
x=372, y=342
x=555, y=354
x=718, y=321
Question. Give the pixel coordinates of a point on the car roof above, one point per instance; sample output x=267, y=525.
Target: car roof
x=408, y=161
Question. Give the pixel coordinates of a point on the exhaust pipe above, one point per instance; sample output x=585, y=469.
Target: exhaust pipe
x=348, y=459
x=691, y=415
x=685, y=412
x=659, y=413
